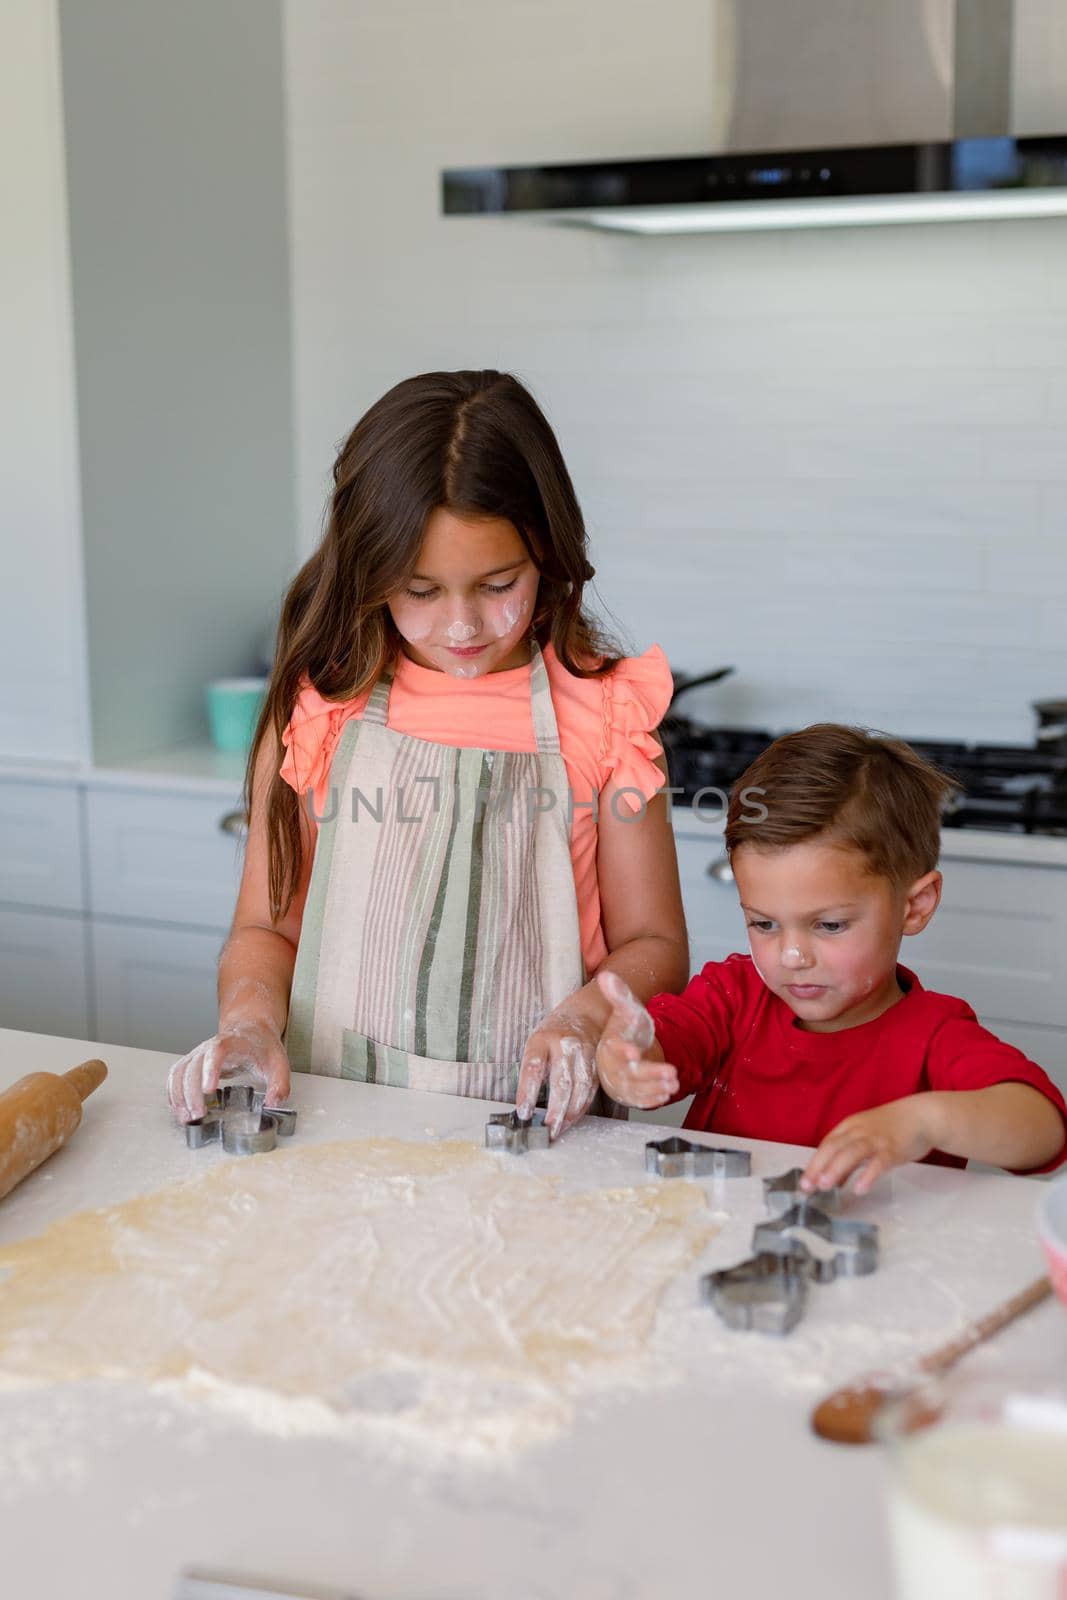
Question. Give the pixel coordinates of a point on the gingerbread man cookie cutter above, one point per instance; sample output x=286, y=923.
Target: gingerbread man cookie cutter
x=767, y=1294
x=235, y=1118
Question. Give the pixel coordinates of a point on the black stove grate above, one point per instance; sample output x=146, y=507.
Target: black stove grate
x=1009, y=788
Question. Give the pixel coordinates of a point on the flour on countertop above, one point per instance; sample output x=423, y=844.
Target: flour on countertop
x=437, y=1414
x=432, y=1293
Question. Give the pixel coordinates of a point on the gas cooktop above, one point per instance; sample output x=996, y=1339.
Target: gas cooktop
x=1010, y=788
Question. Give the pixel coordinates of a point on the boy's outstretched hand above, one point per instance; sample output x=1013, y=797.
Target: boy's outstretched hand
x=874, y=1140
x=629, y=1062
x=1012, y=1125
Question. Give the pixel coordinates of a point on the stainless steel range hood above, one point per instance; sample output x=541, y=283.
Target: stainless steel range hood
x=832, y=113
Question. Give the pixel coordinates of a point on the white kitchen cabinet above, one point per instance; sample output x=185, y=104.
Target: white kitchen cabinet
x=1046, y=1046
x=114, y=905
x=998, y=940
x=154, y=986
x=45, y=987
x=163, y=857
x=41, y=854
x=716, y=925
x=164, y=867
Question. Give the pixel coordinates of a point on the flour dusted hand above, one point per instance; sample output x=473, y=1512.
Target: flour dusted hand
x=629, y=1062
x=251, y=1045
x=563, y=1049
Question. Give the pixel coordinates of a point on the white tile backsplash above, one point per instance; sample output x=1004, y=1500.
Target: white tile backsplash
x=1052, y=517
x=883, y=450
x=834, y=459
x=1026, y=455
x=1039, y=569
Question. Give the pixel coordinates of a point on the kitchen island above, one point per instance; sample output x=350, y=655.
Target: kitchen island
x=706, y=1474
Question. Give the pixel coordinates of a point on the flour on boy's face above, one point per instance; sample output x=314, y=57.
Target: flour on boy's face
x=824, y=931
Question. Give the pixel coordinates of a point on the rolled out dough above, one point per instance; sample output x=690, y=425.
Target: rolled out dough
x=300, y=1271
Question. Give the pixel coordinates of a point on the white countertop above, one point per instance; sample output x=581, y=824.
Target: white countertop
x=713, y=1480
x=194, y=768
x=198, y=768
x=957, y=844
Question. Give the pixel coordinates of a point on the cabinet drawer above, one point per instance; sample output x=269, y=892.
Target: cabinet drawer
x=40, y=846
x=998, y=941
x=155, y=988
x=45, y=988
x=1046, y=1046
x=164, y=857
x=713, y=916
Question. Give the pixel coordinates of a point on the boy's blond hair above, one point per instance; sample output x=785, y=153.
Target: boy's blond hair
x=861, y=790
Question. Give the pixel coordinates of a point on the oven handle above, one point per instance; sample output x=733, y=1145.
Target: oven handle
x=721, y=870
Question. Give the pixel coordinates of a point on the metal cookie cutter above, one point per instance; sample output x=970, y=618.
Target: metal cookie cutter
x=827, y=1247
x=681, y=1158
x=234, y=1116
x=781, y=1194
x=234, y=1097
x=767, y=1293
x=505, y=1130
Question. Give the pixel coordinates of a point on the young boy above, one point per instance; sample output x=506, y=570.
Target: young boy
x=819, y=1037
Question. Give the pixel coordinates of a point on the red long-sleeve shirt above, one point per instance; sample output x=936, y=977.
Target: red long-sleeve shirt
x=757, y=1073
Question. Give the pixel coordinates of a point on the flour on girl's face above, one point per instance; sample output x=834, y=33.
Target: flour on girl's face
x=511, y=614
x=416, y=631
x=474, y=585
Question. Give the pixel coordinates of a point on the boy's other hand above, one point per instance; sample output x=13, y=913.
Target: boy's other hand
x=629, y=1062
x=875, y=1141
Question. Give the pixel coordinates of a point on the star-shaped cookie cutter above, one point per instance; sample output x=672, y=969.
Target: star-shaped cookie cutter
x=682, y=1158
x=234, y=1117
x=826, y=1247
x=781, y=1194
x=506, y=1130
x=766, y=1294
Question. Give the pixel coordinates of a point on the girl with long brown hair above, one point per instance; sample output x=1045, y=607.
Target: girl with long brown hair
x=452, y=790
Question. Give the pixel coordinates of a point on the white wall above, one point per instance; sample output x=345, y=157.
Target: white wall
x=175, y=131
x=43, y=713
x=837, y=461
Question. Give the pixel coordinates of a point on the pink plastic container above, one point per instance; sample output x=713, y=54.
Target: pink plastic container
x=1052, y=1229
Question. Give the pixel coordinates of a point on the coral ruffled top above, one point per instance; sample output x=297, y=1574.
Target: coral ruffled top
x=606, y=734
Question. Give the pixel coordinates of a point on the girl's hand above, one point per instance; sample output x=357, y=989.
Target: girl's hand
x=251, y=1045
x=629, y=1062
x=564, y=1049
x=874, y=1140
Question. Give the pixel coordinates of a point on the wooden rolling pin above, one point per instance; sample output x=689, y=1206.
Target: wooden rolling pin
x=38, y=1114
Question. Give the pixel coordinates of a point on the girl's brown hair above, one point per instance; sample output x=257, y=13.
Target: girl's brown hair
x=863, y=791
x=474, y=443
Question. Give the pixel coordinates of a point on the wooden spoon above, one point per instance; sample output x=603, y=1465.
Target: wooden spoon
x=847, y=1416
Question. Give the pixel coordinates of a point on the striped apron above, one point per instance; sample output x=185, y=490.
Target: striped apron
x=441, y=922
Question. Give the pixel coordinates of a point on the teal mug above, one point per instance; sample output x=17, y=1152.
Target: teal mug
x=233, y=707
